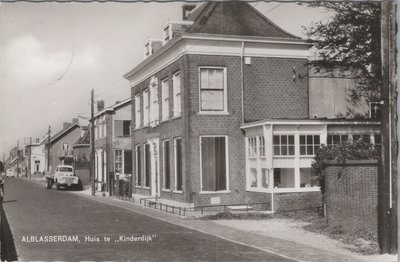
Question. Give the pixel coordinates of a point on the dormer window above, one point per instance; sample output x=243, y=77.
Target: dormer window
x=167, y=34
x=148, y=50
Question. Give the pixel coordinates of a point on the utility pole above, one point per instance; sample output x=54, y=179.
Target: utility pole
x=48, y=149
x=30, y=158
x=18, y=158
x=387, y=180
x=92, y=167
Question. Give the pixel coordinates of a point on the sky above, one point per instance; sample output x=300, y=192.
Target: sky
x=53, y=54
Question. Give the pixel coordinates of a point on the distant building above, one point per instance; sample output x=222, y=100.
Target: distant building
x=113, y=155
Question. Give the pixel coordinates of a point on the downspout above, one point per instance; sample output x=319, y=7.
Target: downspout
x=242, y=79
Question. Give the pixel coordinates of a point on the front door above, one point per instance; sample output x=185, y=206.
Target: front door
x=154, y=167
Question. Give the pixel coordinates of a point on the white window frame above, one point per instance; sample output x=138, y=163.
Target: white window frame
x=146, y=107
x=122, y=161
x=280, y=145
x=144, y=166
x=154, y=109
x=225, y=92
x=176, y=165
x=165, y=99
x=137, y=154
x=138, y=111
x=313, y=145
x=252, y=147
x=227, y=190
x=177, y=96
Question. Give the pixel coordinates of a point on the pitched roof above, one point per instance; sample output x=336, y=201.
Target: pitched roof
x=234, y=18
x=113, y=107
x=85, y=139
x=63, y=132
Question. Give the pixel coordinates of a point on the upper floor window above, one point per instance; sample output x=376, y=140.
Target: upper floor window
x=137, y=111
x=154, y=109
x=261, y=146
x=213, y=89
x=309, y=144
x=146, y=108
x=165, y=99
x=252, y=149
x=176, y=90
x=122, y=128
x=283, y=145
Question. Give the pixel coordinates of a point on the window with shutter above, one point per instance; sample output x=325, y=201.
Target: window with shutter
x=127, y=162
x=178, y=164
x=166, y=165
x=118, y=128
x=138, y=165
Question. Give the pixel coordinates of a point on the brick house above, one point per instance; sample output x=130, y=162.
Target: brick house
x=219, y=116
x=61, y=144
x=113, y=153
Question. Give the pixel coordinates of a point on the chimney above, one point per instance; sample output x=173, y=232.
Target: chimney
x=75, y=120
x=66, y=125
x=186, y=10
x=100, y=105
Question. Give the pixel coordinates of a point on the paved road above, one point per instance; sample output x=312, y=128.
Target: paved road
x=35, y=212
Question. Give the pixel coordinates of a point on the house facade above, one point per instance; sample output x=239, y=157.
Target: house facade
x=61, y=144
x=213, y=104
x=113, y=148
x=36, y=154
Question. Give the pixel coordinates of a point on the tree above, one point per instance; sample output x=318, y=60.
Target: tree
x=351, y=38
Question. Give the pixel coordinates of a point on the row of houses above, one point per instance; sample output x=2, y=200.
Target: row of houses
x=223, y=110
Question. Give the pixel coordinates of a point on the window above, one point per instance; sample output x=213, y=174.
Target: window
x=176, y=90
x=309, y=144
x=127, y=162
x=337, y=139
x=147, y=165
x=166, y=166
x=261, y=146
x=146, y=108
x=284, y=178
x=252, y=150
x=362, y=137
x=138, y=160
x=178, y=164
x=214, y=163
x=154, y=111
x=165, y=99
x=253, y=177
x=307, y=179
x=137, y=111
x=166, y=34
x=212, y=90
x=283, y=145
x=122, y=128
x=118, y=162
x=377, y=142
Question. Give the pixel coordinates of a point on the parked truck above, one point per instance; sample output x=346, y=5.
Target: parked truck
x=63, y=176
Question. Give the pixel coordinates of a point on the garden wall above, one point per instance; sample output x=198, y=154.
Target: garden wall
x=352, y=194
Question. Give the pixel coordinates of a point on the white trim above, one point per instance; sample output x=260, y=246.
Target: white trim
x=137, y=154
x=144, y=166
x=224, y=90
x=176, y=113
x=306, y=122
x=163, y=188
x=165, y=112
x=285, y=190
x=227, y=190
x=175, y=166
x=203, y=44
x=214, y=192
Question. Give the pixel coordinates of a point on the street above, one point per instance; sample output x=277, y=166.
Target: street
x=58, y=225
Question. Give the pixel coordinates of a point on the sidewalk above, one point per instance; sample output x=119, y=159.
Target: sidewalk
x=295, y=245
x=244, y=235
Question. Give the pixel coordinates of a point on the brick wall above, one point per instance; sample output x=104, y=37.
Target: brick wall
x=57, y=147
x=297, y=201
x=270, y=91
x=351, y=194
x=218, y=125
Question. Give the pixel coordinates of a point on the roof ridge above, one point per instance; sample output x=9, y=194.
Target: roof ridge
x=271, y=22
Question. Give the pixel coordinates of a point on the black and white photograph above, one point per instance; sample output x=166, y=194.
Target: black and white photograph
x=198, y=131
